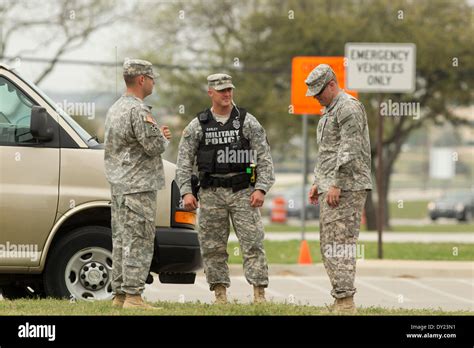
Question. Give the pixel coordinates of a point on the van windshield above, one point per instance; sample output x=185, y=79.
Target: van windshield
x=89, y=139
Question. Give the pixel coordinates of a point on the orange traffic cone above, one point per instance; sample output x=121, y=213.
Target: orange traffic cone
x=305, y=255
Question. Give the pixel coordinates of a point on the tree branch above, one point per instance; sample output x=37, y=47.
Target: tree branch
x=68, y=46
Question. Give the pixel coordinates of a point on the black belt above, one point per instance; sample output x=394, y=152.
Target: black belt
x=236, y=182
x=220, y=181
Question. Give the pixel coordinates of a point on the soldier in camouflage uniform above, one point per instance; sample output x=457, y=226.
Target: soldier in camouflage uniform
x=133, y=147
x=227, y=142
x=342, y=177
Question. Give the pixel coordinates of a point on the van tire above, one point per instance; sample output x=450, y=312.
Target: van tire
x=82, y=246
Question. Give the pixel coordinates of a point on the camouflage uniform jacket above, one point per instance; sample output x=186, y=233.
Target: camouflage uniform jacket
x=133, y=147
x=344, y=146
x=252, y=130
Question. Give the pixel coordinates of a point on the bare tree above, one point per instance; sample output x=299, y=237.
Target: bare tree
x=60, y=26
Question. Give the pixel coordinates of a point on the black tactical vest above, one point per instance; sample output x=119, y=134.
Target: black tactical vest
x=223, y=148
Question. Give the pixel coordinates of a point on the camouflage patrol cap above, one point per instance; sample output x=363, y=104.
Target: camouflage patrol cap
x=318, y=78
x=220, y=81
x=135, y=67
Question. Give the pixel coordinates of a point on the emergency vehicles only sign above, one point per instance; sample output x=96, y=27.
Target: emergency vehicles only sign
x=380, y=67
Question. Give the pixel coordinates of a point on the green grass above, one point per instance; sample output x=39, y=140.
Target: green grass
x=408, y=210
x=99, y=308
x=314, y=227
x=286, y=252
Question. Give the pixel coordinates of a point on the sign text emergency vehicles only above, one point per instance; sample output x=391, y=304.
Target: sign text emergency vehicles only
x=380, y=67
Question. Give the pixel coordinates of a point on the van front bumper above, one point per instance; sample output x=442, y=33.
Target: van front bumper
x=176, y=251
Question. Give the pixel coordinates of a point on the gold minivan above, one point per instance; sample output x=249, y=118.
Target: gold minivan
x=55, y=234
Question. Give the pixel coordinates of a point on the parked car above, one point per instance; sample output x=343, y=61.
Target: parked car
x=293, y=198
x=55, y=206
x=458, y=205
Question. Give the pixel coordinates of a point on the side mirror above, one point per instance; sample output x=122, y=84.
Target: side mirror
x=39, y=125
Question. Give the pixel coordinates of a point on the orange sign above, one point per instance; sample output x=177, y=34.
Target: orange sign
x=301, y=67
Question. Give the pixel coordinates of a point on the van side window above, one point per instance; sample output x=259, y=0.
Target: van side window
x=15, y=115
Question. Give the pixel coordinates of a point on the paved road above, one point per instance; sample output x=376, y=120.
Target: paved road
x=389, y=237
x=399, y=289
x=455, y=293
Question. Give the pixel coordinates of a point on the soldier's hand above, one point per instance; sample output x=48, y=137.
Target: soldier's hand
x=190, y=202
x=166, y=132
x=313, y=195
x=257, y=198
x=333, y=196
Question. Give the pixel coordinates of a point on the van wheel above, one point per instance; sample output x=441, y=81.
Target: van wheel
x=14, y=292
x=80, y=265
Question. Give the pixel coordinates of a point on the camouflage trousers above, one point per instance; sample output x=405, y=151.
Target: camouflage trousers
x=216, y=206
x=339, y=231
x=133, y=235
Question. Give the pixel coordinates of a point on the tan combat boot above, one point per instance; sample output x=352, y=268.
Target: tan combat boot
x=345, y=305
x=259, y=294
x=118, y=300
x=136, y=302
x=220, y=292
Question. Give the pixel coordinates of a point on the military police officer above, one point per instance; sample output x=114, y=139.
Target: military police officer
x=342, y=177
x=235, y=171
x=133, y=146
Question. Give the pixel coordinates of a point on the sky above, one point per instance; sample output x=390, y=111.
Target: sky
x=103, y=46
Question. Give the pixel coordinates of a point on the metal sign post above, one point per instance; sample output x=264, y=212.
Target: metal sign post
x=305, y=177
x=380, y=188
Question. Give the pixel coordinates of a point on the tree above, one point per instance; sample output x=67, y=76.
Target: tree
x=438, y=28
x=204, y=37
x=60, y=26
x=265, y=35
